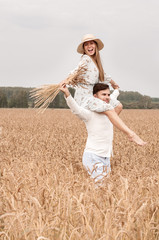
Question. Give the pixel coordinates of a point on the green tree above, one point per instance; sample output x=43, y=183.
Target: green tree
x=145, y=102
x=129, y=97
x=59, y=101
x=19, y=100
x=3, y=100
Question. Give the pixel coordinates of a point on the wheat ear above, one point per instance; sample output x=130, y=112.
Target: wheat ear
x=45, y=94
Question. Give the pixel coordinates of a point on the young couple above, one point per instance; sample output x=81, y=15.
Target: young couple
x=98, y=109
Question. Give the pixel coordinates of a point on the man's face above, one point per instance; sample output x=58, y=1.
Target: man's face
x=103, y=95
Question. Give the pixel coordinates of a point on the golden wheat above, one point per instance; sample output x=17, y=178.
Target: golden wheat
x=46, y=194
x=44, y=95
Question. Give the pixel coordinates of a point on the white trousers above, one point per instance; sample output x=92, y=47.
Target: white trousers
x=97, y=167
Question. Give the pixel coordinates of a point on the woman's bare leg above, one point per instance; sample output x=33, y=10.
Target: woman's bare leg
x=117, y=122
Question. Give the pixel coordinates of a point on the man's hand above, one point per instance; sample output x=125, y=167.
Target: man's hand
x=64, y=89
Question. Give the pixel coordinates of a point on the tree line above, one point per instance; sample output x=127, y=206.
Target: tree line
x=18, y=97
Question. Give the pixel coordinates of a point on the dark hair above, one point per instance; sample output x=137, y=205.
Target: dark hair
x=99, y=86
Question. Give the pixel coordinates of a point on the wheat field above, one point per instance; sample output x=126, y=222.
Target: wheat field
x=46, y=194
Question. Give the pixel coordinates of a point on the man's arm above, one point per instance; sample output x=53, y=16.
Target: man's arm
x=81, y=112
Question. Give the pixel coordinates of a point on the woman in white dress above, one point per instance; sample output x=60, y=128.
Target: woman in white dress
x=89, y=48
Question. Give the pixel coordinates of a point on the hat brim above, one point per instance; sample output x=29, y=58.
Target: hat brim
x=100, y=45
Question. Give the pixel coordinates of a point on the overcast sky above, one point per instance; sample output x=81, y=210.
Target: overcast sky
x=39, y=38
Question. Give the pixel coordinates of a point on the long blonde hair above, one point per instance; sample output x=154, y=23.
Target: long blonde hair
x=97, y=61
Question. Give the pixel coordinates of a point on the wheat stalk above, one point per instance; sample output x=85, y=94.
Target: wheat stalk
x=45, y=192
x=45, y=94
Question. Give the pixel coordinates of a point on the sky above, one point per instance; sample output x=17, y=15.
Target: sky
x=39, y=38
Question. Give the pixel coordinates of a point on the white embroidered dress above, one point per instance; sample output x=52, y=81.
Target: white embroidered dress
x=84, y=95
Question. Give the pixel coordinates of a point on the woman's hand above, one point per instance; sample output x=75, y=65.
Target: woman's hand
x=114, y=84
x=63, y=88
x=62, y=83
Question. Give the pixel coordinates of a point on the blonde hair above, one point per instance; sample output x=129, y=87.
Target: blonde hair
x=97, y=61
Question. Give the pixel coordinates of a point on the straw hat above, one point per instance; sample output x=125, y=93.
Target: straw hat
x=89, y=37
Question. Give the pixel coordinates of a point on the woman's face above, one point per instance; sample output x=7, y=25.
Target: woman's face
x=90, y=48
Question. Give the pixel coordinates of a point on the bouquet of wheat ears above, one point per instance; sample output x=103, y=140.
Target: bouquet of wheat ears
x=45, y=94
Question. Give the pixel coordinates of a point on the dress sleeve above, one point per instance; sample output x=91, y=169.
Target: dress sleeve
x=107, y=78
x=85, y=60
x=81, y=112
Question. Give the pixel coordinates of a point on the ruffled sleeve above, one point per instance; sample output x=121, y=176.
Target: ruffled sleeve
x=107, y=78
x=85, y=61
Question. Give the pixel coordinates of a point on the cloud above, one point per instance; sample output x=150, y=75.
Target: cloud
x=39, y=40
x=33, y=22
